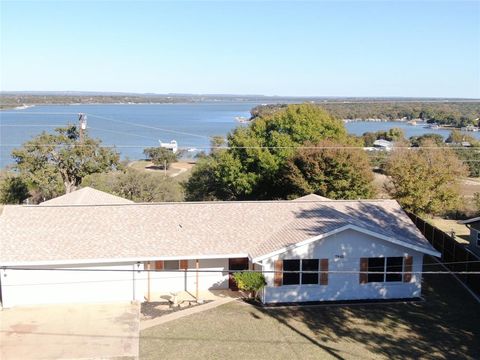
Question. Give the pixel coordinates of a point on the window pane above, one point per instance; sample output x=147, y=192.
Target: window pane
x=171, y=265
x=394, y=264
x=291, y=278
x=310, y=265
x=376, y=269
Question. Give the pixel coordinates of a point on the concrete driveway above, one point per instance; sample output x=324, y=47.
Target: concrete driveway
x=99, y=331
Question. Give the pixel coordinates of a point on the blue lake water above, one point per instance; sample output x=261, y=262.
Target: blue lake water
x=133, y=127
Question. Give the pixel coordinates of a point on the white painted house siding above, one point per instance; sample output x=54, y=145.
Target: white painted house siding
x=215, y=276
x=352, y=245
x=33, y=287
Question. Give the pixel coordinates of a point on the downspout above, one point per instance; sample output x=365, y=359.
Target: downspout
x=133, y=277
x=196, y=278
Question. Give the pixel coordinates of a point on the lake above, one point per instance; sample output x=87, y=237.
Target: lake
x=134, y=127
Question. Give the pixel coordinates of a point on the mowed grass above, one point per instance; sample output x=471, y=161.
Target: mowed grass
x=444, y=326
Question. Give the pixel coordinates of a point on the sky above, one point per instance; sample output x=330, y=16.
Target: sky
x=375, y=48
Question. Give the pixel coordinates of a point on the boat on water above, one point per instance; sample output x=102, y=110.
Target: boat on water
x=242, y=119
x=432, y=126
x=470, y=128
x=172, y=145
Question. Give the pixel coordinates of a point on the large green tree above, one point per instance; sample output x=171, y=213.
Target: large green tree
x=136, y=185
x=329, y=170
x=62, y=157
x=250, y=168
x=160, y=156
x=426, y=180
x=13, y=189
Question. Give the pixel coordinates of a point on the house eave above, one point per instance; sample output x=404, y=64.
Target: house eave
x=432, y=252
x=110, y=261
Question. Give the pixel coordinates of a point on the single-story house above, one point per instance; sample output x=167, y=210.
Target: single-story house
x=89, y=246
x=474, y=226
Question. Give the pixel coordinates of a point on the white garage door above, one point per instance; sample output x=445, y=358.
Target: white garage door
x=46, y=286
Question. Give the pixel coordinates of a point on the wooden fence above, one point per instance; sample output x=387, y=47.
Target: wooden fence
x=452, y=252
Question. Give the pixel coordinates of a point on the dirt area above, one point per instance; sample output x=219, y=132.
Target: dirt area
x=154, y=309
x=176, y=169
x=462, y=233
x=379, y=182
x=100, y=331
x=470, y=186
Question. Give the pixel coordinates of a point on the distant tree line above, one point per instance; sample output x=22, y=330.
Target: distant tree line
x=456, y=114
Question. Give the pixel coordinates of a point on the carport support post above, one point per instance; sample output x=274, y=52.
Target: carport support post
x=196, y=278
x=148, y=281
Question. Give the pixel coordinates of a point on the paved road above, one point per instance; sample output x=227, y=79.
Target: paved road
x=70, y=331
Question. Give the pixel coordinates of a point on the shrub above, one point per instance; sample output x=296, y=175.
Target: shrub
x=252, y=282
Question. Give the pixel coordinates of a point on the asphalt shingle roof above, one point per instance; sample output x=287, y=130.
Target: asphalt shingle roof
x=86, y=196
x=52, y=233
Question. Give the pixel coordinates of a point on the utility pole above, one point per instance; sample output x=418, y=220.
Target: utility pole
x=82, y=119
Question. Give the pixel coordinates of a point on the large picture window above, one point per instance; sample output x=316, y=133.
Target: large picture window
x=300, y=272
x=388, y=269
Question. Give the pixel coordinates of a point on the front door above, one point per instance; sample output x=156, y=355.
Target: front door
x=235, y=265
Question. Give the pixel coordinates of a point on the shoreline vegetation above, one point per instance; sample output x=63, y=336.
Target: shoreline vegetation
x=446, y=113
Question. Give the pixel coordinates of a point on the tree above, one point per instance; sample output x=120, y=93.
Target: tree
x=50, y=159
x=393, y=134
x=425, y=181
x=137, y=186
x=216, y=141
x=326, y=170
x=252, y=282
x=160, y=156
x=417, y=141
x=457, y=137
x=249, y=168
x=13, y=190
x=471, y=157
x=476, y=201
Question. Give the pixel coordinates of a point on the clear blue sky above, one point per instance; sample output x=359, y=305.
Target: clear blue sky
x=295, y=48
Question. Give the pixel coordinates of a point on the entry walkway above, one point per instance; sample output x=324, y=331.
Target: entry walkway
x=219, y=297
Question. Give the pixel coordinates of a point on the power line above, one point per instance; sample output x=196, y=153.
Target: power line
x=148, y=126
x=36, y=113
x=122, y=133
x=260, y=147
x=30, y=125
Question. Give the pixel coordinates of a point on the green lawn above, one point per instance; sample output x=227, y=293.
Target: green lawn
x=444, y=326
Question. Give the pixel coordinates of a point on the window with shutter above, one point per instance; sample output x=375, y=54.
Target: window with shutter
x=171, y=265
x=309, y=271
x=291, y=272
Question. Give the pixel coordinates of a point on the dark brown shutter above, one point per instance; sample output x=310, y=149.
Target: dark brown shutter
x=278, y=279
x=407, y=277
x=159, y=265
x=323, y=271
x=184, y=264
x=363, y=270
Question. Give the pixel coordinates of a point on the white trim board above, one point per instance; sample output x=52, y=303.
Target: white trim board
x=109, y=261
x=433, y=252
